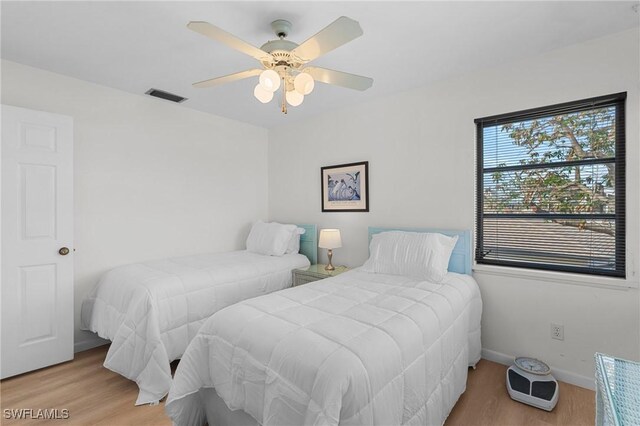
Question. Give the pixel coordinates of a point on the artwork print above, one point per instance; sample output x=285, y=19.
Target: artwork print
x=345, y=187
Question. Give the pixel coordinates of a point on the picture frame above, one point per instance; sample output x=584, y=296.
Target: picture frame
x=345, y=187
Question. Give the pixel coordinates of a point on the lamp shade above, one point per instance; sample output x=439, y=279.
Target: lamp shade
x=262, y=95
x=303, y=83
x=270, y=80
x=294, y=98
x=330, y=239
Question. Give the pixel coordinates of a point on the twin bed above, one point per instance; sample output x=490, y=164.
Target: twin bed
x=360, y=348
x=151, y=311
x=380, y=344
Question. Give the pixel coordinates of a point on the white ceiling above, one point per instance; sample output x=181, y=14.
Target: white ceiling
x=134, y=46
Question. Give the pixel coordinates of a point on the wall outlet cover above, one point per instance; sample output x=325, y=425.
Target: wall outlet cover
x=557, y=331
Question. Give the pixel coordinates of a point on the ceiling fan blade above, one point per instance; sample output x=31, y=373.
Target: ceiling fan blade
x=230, y=40
x=227, y=78
x=339, y=78
x=339, y=32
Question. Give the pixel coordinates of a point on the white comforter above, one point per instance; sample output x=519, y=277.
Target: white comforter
x=151, y=311
x=356, y=349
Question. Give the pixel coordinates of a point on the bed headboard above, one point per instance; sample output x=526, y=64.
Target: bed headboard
x=309, y=242
x=460, y=261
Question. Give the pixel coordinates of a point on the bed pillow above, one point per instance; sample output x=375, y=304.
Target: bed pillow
x=413, y=254
x=271, y=239
x=294, y=242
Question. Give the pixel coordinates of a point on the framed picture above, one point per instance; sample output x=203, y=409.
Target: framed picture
x=345, y=187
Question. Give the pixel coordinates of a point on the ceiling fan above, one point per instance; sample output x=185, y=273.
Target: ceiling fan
x=284, y=62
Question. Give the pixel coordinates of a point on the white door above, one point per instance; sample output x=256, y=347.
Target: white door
x=37, y=226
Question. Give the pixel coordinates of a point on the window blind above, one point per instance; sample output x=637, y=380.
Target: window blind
x=551, y=187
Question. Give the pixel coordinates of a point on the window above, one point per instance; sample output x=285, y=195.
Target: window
x=551, y=189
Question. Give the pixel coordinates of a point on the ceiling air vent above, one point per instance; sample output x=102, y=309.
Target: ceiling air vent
x=165, y=95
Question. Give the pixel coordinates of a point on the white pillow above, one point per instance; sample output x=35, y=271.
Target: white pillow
x=294, y=242
x=413, y=254
x=271, y=239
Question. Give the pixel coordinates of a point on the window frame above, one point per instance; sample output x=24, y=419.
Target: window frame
x=617, y=100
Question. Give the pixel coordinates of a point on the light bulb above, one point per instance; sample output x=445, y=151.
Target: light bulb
x=261, y=94
x=303, y=83
x=294, y=98
x=270, y=80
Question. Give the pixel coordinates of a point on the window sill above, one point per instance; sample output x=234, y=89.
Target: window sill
x=559, y=277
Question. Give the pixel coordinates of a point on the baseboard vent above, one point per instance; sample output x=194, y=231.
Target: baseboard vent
x=165, y=95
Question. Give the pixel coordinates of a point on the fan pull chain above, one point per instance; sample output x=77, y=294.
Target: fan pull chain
x=284, y=96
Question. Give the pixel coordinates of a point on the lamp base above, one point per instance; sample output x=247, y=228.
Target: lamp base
x=329, y=266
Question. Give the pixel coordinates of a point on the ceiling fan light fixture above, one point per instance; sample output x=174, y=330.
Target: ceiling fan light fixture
x=283, y=63
x=270, y=80
x=303, y=83
x=261, y=94
x=294, y=98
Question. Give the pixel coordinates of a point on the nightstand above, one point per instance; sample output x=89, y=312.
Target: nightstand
x=315, y=273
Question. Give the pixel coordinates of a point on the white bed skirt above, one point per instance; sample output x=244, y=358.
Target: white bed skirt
x=217, y=413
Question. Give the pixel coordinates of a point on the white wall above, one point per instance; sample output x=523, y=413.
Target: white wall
x=152, y=179
x=421, y=150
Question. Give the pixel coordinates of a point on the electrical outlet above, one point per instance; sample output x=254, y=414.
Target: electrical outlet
x=557, y=331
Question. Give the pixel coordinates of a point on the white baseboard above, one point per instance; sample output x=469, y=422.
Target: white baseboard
x=87, y=344
x=558, y=373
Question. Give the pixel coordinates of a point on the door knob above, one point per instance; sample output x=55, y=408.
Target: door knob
x=63, y=251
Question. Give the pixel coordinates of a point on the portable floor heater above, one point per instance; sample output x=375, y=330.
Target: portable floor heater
x=530, y=381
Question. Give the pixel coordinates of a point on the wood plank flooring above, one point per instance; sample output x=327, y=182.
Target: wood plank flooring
x=96, y=396
x=487, y=402
x=92, y=394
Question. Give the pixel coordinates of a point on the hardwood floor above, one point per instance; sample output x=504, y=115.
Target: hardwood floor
x=487, y=402
x=96, y=396
x=92, y=394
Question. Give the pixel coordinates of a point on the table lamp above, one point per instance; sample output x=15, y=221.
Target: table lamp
x=330, y=239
